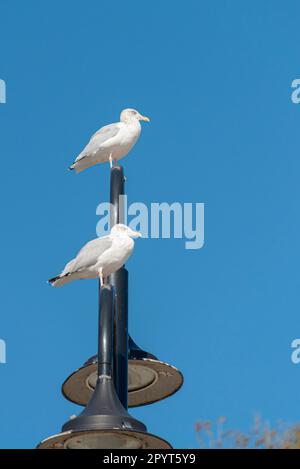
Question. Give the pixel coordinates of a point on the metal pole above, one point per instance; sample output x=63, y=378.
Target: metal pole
x=119, y=280
x=104, y=411
x=105, y=331
x=116, y=189
x=120, y=374
x=104, y=400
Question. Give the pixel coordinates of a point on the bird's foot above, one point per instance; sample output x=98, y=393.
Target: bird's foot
x=101, y=278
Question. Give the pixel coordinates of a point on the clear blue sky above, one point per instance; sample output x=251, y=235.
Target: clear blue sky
x=215, y=78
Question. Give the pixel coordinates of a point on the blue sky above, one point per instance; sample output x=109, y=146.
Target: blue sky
x=215, y=78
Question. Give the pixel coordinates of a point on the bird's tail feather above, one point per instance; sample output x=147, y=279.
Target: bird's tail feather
x=60, y=280
x=78, y=168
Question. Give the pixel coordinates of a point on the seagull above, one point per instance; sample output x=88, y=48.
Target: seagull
x=99, y=257
x=112, y=142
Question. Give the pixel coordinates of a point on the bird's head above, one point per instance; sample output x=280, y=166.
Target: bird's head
x=131, y=115
x=121, y=230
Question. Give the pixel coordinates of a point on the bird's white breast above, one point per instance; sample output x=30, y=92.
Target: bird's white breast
x=116, y=256
x=125, y=140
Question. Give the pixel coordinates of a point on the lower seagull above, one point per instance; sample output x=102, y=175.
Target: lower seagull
x=100, y=257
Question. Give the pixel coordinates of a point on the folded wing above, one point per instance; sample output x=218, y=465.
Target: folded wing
x=85, y=260
x=101, y=137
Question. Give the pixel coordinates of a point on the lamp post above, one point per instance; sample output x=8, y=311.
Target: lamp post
x=105, y=422
x=119, y=280
x=149, y=379
x=117, y=374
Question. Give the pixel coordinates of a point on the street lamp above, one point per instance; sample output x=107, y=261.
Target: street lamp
x=120, y=375
x=105, y=422
x=149, y=379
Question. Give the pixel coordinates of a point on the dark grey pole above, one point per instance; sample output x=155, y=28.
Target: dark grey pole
x=117, y=183
x=105, y=331
x=104, y=399
x=104, y=410
x=119, y=280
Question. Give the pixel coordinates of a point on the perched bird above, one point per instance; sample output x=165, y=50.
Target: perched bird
x=112, y=142
x=99, y=257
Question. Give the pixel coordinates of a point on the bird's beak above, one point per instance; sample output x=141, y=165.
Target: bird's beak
x=137, y=234
x=144, y=118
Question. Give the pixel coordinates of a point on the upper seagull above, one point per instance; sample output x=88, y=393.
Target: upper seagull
x=100, y=257
x=112, y=142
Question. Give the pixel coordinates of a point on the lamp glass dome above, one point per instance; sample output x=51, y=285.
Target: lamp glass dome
x=95, y=440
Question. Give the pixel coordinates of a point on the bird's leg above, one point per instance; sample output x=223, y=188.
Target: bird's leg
x=111, y=160
x=101, y=277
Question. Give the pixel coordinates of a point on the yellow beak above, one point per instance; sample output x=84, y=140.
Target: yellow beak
x=144, y=118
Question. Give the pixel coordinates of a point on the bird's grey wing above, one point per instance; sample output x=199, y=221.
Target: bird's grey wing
x=106, y=132
x=101, y=136
x=88, y=255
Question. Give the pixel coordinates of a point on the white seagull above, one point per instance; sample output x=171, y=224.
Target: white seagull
x=99, y=257
x=112, y=142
